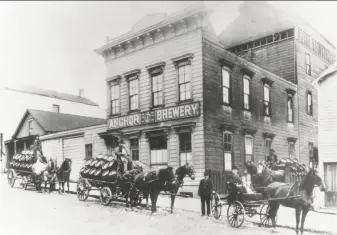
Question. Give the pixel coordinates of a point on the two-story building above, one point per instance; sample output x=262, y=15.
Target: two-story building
x=327, y=121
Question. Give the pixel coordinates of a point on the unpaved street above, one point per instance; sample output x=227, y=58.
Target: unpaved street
x=29, y=212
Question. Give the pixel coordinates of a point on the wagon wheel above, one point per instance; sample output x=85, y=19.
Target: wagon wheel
x=105, y=196
x=83, y=189
x=24, y=183
x=265, y=217
x=11, y=177
x=216, y=205
x=236, y=214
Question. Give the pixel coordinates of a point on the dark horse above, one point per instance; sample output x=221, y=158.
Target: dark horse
x=154, y=182
x=262, y=175
x=300, y=196
x=63, y=174
x=180, y=174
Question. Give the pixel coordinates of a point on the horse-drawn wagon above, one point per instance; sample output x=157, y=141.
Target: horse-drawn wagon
x=107, y=175
x=271, y=190
x=24, y=167
x=33, y=169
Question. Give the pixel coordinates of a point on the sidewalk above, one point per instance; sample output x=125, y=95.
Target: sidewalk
x=286, y=216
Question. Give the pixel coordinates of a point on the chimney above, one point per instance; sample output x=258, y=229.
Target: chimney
x=80, y=92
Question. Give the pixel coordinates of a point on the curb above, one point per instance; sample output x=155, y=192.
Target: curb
x=305, y=230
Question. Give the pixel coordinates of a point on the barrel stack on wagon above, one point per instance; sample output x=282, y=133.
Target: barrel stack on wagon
x=101, y=174
x=22, y=167
x=294, y=170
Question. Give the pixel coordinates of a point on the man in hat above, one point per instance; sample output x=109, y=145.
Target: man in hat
x=205, y=193
x=272, y=158
x=235, y=183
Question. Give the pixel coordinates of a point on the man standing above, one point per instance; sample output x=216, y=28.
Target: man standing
x=205, y=193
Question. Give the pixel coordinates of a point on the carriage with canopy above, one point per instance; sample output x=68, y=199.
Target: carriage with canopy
x=241, y=204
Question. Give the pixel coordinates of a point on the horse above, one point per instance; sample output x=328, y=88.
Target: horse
x=180, y=174
x=261, y=175
x=153, y=183
x=63, y=174
x=300, y=196
x=49, y=175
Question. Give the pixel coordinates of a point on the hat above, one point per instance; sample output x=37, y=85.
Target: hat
x=235, y=168
x=272, y=150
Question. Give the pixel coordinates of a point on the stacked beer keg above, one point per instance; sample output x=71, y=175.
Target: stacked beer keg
x=101, y=168
x=23, y=161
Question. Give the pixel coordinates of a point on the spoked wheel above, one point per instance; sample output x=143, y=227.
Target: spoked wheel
x=216, y=205
x=24, y=183
x=83, y=189
x=265, y=217
x=11, y=177
x=105, y=196
x=236, y=214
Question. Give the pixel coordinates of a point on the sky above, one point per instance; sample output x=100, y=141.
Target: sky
x=51, y=44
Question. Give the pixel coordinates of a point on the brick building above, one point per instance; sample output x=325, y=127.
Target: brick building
x=176, y=94
x=289, y=47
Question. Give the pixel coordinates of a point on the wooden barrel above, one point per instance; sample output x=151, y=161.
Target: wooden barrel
x=100, y=157
x=112, y=176
x=98, y=174
x=105, y=175
x=91, y=173
x=92, y=164
x=105, y=166
x=82, y=171
x=87, y=163
x=99, y=164
x=86, y=172
x=111, y=158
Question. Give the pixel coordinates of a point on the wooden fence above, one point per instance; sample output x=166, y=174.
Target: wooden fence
x=219, y=181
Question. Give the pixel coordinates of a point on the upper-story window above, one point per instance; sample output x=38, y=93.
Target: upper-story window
x=114, y=91
x=309, y=103
x=291, y=148
x=226, y=85
x=133, y=94
x=290, y=108
x=184, y=76
x=249, y=148
x=228, y=150
x=247, y=96
x=157, y=89
x=30, y=127
x=266, y=102
x=307, y=64
x=56, y=108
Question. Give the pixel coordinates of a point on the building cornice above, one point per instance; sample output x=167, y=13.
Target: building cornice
x=196, y=12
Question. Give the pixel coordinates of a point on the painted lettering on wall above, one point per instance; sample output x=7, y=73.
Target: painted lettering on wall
x=160, y=115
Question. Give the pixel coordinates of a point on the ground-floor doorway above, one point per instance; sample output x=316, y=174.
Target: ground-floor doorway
x=330, y=176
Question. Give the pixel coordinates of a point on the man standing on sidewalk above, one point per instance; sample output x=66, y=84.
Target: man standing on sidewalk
x=205, y=193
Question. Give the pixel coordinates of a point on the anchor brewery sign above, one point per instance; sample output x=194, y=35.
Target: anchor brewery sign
x=159, y=115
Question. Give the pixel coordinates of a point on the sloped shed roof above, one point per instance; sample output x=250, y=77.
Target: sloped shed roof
x=56, y=122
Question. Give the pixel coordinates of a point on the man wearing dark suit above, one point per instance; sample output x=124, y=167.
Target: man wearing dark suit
x=205, y=193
